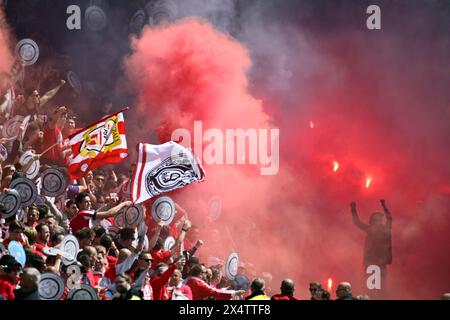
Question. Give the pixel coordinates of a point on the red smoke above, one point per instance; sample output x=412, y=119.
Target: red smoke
x=297, y=223
x=6, y=56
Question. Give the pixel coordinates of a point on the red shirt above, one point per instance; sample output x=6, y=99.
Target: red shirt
x=283, y=297
x=159, y=284
x=160, y=256
x=6, y=242
x=38, y=249
x=7, y=286
x=82, y=220
x=111, y=273
x=112, y=261
x=51, y=136
x=201, y=290
x=91, y=277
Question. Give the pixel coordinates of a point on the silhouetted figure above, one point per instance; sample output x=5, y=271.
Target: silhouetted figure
x=378, y=243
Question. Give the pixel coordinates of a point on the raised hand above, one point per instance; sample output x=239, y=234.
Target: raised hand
x=127, y=204
x=187, y=225
x=199, y=243
x=383, y=203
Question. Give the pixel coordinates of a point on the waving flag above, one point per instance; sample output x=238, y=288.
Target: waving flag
x=99, y=144
x=163, y=168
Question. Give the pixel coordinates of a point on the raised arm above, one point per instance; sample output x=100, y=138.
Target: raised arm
x=50, y=94
x=154, y=237
x=194, y=249
x=186, y=226
x=54, y=209
x=113, y=211
x=387, y=213
x=356, y=219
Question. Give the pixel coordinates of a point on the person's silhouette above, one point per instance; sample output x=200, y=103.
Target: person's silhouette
x=378, y=243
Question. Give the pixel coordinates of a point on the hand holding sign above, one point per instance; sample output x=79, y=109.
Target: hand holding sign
x=163, y=209
x=231, y=267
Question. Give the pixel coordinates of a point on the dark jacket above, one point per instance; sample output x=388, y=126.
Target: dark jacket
x=32, y=295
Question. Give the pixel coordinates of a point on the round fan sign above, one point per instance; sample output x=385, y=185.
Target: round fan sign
x=11, y=127
x=137, y=21
x=84, y=292
x=169, y=243
x=33, y=170
x=26, y=189
x=133, y=215
x=28, y=51
x=70, y=248
x=231, y=267
x=163, y=209
x=119, y=220
x=95, y=18
x=51, y=252
x=74, y=82
x=215, y=208
x=53, y=183
x=3, y=153
x=16, y=250
x=161, y=11
x=51, y=287
x=12, y=202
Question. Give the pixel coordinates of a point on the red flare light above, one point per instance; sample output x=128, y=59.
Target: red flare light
x=329, y=284
x=369, y=180
x=335, y=166
x=311, y=125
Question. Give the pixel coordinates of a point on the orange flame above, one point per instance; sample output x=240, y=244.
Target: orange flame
x=311, y=125
x=369, y=180
x=330, y=284
x=335, y=166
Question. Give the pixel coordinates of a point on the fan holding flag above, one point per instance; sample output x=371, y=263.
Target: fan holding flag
x=99, y=144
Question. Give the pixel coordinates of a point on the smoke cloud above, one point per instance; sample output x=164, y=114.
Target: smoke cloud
x=379, y=107
x=376, y=102
x=6, y=55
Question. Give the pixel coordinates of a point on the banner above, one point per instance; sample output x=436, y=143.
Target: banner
x=163, y=168
x=99, y=144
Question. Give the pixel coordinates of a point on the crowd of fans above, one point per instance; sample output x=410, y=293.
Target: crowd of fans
x=118, y=262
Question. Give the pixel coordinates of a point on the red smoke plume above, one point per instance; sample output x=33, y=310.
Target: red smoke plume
x=6, y=56
x=297, y=223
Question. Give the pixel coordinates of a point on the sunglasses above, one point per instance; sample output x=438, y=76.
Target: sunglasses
x=312, y=289
x=147, y=260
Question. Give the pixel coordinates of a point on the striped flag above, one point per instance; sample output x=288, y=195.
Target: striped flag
x=99, y=144
x=163, y=168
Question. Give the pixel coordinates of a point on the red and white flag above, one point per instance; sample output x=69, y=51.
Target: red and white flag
x=99, y=144
x=163, y=168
